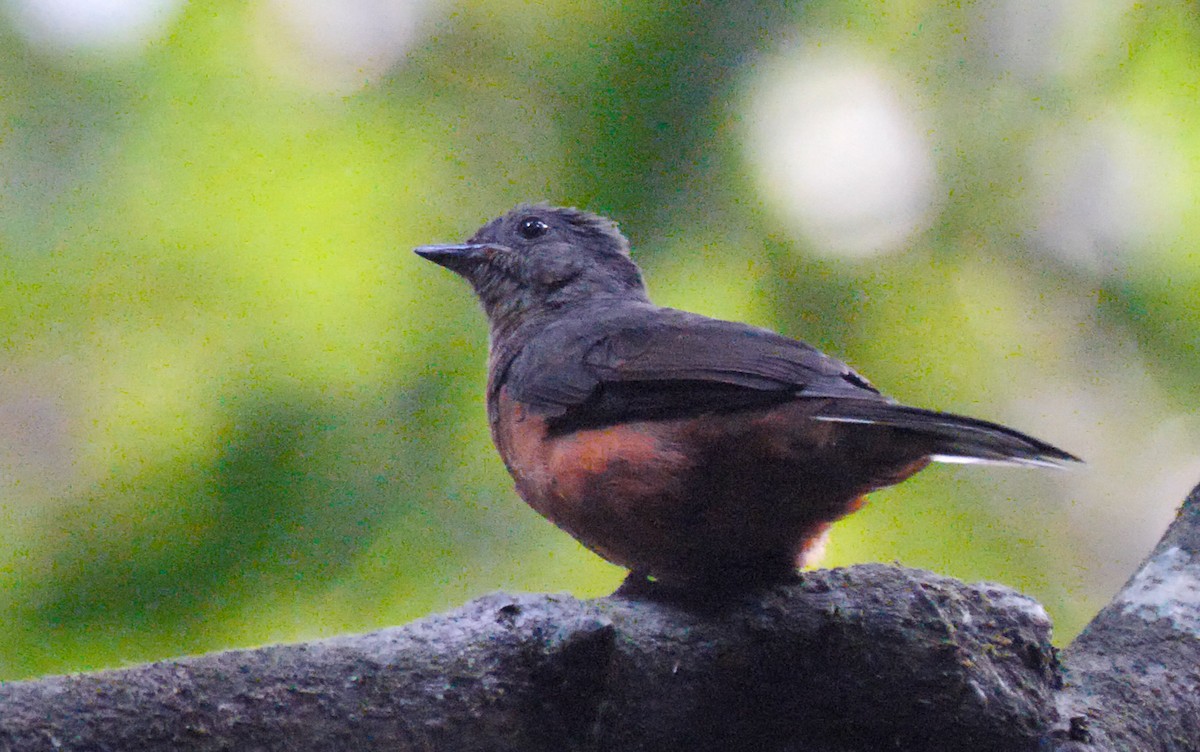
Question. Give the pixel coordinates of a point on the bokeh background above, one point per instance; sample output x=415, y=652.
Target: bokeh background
x=235, y=408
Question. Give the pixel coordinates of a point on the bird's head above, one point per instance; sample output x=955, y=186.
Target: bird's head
x=537, y=258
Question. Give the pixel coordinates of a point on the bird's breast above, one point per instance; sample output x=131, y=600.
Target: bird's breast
x=557, y=473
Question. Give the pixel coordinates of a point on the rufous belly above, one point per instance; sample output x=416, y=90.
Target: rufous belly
x=716, y=497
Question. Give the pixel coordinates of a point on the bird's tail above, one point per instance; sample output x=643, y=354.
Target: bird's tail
x=956, y=438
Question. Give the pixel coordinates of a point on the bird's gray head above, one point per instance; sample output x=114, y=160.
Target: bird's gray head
x=539, y=258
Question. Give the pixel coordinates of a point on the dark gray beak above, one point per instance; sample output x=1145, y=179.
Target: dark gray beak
x=457, y=258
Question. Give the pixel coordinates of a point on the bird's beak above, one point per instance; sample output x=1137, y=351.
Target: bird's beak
x=457, y=258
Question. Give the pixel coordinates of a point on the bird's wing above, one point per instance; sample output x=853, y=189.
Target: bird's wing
x=645, y=364
x=656, y=362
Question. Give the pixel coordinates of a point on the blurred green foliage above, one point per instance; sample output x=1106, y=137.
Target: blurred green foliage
x=235, y=409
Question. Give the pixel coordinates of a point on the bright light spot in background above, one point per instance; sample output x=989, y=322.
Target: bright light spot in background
x=1036, y=39
x=90, y=25
x=339, y=46
x=1104, y=193
x=838, y=153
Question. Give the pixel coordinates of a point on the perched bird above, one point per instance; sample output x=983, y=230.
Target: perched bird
x=696, y=452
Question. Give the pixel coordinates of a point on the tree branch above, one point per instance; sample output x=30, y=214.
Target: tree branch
x=1135, y=670
x=864, y=658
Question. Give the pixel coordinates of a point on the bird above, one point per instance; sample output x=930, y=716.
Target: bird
x=700, y=454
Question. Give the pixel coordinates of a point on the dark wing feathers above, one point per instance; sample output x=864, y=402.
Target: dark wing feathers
x=631, y=362
x=687, y=347
x=655, y=362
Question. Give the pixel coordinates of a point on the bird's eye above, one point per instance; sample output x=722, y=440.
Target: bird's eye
x=532, y=227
